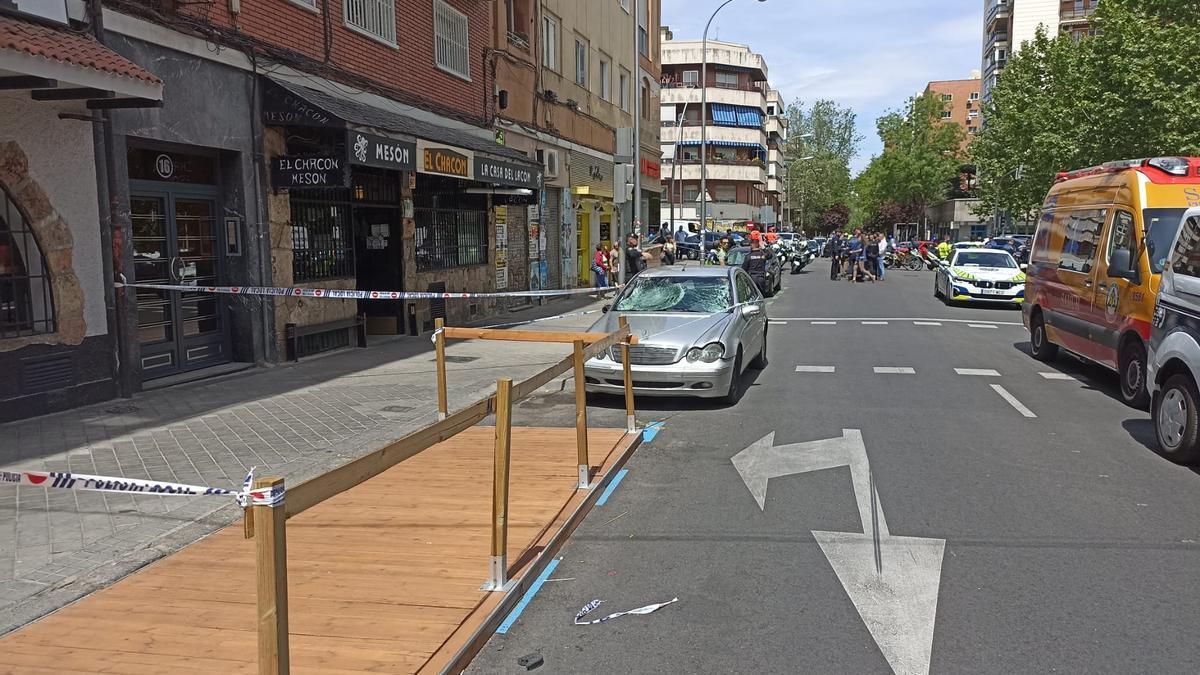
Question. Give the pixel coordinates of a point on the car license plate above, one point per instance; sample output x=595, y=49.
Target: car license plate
x=992, y=291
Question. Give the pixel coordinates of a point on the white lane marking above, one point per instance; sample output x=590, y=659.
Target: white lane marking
x=909, y=318
x=927, y=323
x=894, y=371
x=874, y=323
x=977, y=372
x=1056, y=376
x=1012, y=400
x=981, y=325
x=815, y=369
x=823, y=323
x=778, y=323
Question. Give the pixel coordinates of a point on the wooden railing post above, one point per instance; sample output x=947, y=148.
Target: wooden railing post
x=498, y=562
x=630, y=419
x=270, y=548
x=581, y=425
x=439, y=341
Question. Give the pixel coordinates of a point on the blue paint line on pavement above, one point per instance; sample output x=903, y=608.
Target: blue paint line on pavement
x=651, y=431
x=611, y=487
x=537, y=586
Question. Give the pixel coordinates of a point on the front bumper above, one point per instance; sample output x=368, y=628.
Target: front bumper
x=700, y=380
x=966, y=292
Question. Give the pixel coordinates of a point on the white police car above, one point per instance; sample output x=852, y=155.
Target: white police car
x=1173, y=367
x=980, y=275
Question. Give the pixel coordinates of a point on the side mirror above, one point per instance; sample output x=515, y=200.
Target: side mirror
x=605, y=308
x=751, y=310
x=1120, y=266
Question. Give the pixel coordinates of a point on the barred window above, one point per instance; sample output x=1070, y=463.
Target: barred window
x=322, y=236
x=375, y=18
x=447, y=238
x=26, y=300
x=451, y=40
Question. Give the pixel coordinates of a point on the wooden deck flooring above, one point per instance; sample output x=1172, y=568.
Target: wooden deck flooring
x=382, y=578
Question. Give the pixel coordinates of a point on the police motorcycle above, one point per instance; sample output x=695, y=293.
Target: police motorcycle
x=799, y=256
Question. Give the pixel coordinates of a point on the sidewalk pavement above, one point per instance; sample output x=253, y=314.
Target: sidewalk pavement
x=293, y=420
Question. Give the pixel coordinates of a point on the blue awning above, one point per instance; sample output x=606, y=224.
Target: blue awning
x=725, y=144
x=725, y=115
x=749, y=117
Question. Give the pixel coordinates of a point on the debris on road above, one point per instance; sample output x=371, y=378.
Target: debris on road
x=591, y=607
x=531, y=661
x=611, y=520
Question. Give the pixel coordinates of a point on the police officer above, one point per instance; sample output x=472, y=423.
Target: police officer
x=834, y=246
x=755, y=263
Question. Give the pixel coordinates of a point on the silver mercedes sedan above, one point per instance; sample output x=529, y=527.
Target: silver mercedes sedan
x=698, y=329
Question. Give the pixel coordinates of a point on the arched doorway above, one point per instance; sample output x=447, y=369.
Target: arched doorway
x=26, y=295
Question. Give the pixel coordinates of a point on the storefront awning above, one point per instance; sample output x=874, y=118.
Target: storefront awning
x=56, y=65
x=415, y=145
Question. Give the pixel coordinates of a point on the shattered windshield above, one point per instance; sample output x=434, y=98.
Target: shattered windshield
x=676, y=294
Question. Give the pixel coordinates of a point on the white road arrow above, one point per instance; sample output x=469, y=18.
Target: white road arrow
x=892, y=581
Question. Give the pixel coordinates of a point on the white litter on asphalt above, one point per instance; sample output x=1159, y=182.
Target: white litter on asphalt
x=977, y=372
x=1056, y=376
x=591, y=607
x=815, y=369
x=894, y=371
x=927, y=323
x=1012, y=400
x=981, y=325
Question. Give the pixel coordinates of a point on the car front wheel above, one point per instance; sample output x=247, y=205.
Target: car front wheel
x=1177, y=421
x=734, y=394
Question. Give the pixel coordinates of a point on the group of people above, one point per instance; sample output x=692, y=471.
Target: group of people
x=607, y=261
x=858, y=257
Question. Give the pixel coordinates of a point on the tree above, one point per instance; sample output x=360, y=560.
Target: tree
x=820, y=183
x=921, y=157
x=836, y=217
x=1062, y=104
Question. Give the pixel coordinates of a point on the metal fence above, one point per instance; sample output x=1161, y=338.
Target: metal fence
x=447, y=238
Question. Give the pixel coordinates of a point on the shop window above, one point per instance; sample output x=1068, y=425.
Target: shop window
x=322, y=237
x=451, y=40
x=26, y=301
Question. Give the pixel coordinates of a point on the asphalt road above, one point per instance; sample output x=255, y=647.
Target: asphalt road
x=1069, y=545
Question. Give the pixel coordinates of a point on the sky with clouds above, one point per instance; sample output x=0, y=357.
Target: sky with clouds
x=869, y=55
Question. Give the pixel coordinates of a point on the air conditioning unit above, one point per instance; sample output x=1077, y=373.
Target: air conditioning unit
x=550, y=162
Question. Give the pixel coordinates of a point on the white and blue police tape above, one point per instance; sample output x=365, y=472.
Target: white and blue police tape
x=65, y=480
x=591, y=607
x=349, y=294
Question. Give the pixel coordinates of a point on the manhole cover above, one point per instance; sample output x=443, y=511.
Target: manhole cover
x=121, y=409
x=396, y=408
x=460, y=359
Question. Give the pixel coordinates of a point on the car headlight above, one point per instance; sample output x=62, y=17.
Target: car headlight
x=602, y=356
x=961, y=280
x=710, y=353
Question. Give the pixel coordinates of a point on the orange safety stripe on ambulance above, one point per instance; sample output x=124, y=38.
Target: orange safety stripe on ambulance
x=1102, y=240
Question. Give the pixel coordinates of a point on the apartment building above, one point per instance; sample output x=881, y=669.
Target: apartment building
x=746, y=133
x=961, y=103
x=1007, y=24
x=290, y=143
x=589, y=66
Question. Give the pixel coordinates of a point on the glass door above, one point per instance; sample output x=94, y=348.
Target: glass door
x=175, y=242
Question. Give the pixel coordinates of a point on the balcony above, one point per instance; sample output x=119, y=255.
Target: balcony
x=716, y=134
x=776, y=157
x=1071, y=18
x=750, y=98
x=722, y=212
x=744, y=171
x=776, y=126
x=688, y=53
x=998, y=10
x=775, y=185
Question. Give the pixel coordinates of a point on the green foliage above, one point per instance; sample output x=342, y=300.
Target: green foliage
x=921, y=156
x=1129, y=92
x=822, y=182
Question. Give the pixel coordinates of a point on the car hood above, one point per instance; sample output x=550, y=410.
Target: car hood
x=682, y=331
x=988, y=274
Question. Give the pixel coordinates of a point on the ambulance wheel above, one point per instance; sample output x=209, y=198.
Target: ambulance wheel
x=1132, y=368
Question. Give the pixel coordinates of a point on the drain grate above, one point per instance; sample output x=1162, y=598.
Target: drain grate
x=121, y=409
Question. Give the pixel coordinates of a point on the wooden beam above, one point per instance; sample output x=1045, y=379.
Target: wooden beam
x=500, y=469
x=71, y=94
x=522, y=335
x=313, y=492
x=626, y=366
x=26, y=82
x=581, y=437
x=121, y=103
x=439, y=342
x=270, y=549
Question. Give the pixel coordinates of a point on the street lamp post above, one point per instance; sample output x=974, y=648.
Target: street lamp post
x=675, y=161
x=704, y=126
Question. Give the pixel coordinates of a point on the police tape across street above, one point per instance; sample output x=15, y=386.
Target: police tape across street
x=345, y=294
x=65, y=480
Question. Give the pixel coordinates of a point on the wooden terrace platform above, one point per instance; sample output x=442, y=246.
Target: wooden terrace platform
x=382, y=578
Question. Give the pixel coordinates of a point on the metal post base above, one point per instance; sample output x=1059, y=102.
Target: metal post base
x=584, y=475
x=441, y=416
x=631, y=424
x=498, y=575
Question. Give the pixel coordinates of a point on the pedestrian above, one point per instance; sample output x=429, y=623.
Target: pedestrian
x=945, y=248
x=635, y=258
x=722, y=251
x=870, y=262
x=668, y=251
x=600, y=269
x=854, y=253
x=835, y=256
x=755, y=263
x=885, y=247
x=614, y=262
